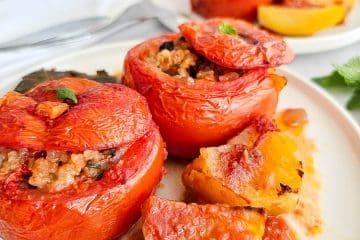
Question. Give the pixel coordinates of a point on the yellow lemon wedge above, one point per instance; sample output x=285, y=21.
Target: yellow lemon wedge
x=300, y=21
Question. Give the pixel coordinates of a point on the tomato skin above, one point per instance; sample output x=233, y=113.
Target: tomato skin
x=227, y=8
x=104, y=211
x=18, y=126
x=250, y=48
x=82, y=128
x=191, y=116
x=93, y=123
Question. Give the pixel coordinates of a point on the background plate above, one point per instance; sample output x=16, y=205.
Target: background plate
x=335, y=134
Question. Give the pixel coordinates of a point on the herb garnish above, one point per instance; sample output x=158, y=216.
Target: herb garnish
x=227, y=28
x=64, y=93
x=345, y=75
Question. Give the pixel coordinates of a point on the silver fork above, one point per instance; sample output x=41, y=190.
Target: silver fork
x=65, y=30
x=95, y=28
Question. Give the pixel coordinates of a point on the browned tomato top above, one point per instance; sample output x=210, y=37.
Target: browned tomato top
x=250, y=47
x=105, y=116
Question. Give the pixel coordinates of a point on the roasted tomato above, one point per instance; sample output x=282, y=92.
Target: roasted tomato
x=197, y=103
x=257, y=168
x=227, y=8
x=164, y=219
x=75, y=170
x=240, y=45
x=276, y=228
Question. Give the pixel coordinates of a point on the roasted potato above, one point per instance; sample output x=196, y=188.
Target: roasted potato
x=257, y=168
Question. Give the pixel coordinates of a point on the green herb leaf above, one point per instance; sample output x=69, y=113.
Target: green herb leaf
x=345, y=75
x=332, y=80
x=66, y=93
x=350, y=71
x=354, y=101
x=227, y=28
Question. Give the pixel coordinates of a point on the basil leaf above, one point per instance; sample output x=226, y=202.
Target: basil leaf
x=332, y=80
x=227, y=28
x=350, y=71
x=345, y=75
x=354, y=101
x=66, y=93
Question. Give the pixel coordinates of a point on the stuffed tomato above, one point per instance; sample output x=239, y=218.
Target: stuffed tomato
x=77, y=159
x=194, y=101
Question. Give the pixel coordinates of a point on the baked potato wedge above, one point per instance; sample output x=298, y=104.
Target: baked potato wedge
x=257, y=168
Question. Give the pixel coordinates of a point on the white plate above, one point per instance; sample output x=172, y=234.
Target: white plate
x=329, y=39
x=336, y=135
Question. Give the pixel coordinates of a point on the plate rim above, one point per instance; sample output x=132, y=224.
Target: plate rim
x=328, y=43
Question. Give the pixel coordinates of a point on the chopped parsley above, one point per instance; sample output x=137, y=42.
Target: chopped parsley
x=66, y=93
x=227, y=28
x=63, y=93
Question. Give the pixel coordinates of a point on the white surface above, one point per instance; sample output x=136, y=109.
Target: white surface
x=336, y=136
x=19, y=18
x=328, y=39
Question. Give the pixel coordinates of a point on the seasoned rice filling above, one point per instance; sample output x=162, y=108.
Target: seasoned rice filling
x=178, y=59
x=55, y=170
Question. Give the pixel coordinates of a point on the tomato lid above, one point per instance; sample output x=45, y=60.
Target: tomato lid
x=236, y=44
x=105, y=116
